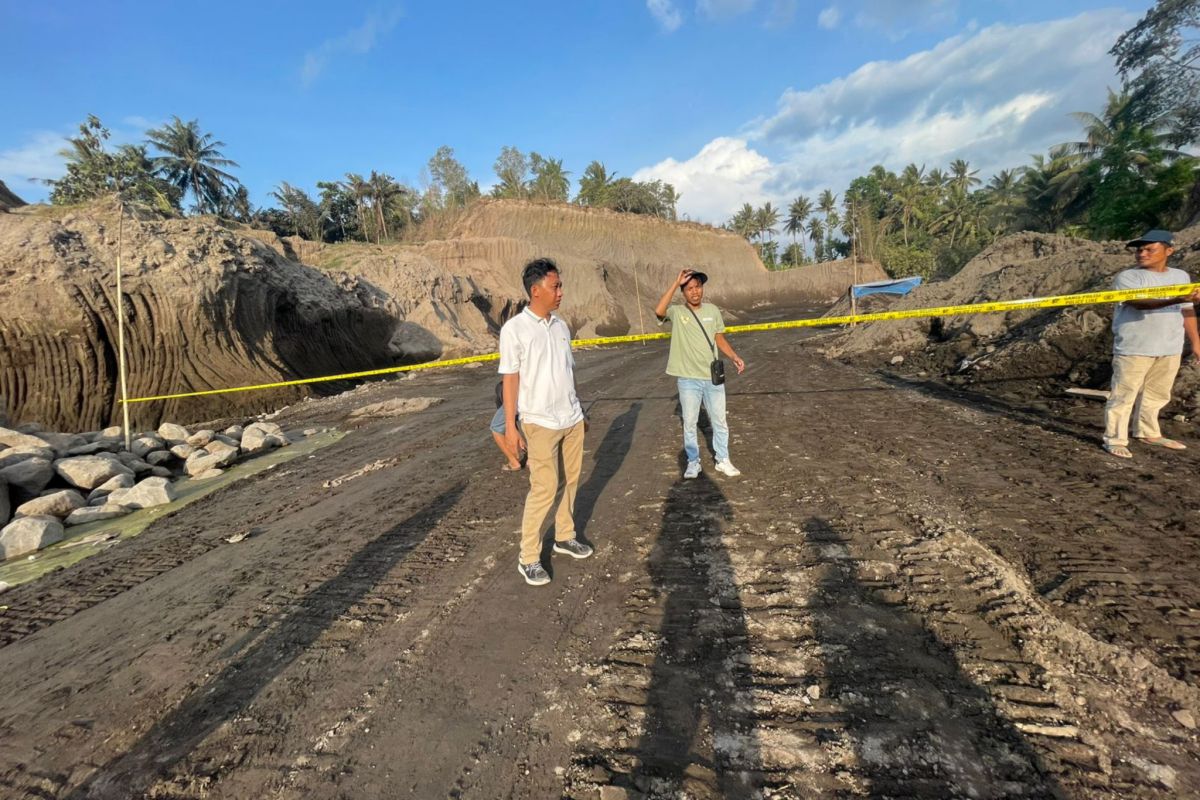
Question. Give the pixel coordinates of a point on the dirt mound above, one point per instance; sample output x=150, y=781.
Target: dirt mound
x=1042, y=348
x=214, y=306
x=206, y=308
x=8, y=200
x=613, y=265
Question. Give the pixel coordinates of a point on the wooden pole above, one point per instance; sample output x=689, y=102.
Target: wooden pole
x=121, y=323
x=638, y=289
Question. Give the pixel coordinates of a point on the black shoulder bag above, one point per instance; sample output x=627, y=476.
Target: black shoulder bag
x=717, y=368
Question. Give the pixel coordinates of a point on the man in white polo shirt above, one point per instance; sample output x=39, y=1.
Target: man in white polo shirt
x=539, y=384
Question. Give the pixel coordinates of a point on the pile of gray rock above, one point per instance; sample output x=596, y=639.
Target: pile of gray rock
x=52, y=480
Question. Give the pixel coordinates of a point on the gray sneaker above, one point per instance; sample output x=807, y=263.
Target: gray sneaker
x=534, y=574
x=692, y=471
x=573, y=548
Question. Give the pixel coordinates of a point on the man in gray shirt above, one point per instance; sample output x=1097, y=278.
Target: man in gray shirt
x=1148, y=338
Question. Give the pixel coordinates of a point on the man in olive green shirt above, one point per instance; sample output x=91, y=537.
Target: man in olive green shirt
x=697, y=332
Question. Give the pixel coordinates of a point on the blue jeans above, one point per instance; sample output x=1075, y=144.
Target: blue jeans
x=693, y=391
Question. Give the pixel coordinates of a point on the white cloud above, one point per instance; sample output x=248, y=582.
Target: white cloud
x=721, y=9
x=666, y=13
x=990, y=96
x=22, y=168
x=829, y=18
x=899, y=17
x=725, y=173
x=357, y=41
x=783, y=13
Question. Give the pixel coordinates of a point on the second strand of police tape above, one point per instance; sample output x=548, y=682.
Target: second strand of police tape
x=1000, y=306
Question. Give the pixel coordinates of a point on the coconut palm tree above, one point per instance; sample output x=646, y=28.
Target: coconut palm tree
x=744, y=222
x=766, y=218
x=360, y=190
x=798, y=213
x=594, y=185
x=192, y=162
x=962, y=176
x=550, y=181
x=816, y=232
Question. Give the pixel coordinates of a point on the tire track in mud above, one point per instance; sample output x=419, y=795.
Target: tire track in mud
x=876, y=649
x=174, y=540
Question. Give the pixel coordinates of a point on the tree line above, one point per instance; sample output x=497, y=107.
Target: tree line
x=1129, y=171
x=179, y=162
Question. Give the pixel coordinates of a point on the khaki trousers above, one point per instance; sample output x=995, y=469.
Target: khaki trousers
x=544, y=445
x=1141, y=386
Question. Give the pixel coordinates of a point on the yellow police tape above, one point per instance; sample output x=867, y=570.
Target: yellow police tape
x=1027, y=304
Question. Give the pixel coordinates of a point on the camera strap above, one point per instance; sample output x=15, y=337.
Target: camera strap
x=701, y=324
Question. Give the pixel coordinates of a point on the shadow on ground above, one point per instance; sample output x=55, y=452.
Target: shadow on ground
x=229, y=692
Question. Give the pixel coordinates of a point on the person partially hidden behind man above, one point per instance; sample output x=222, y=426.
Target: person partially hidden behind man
x=697, y=333
x=539, y=384
x=1148, y=338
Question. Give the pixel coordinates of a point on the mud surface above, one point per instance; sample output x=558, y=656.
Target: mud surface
x=912, y=591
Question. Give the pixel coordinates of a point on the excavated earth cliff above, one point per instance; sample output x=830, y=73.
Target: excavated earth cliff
x=614, y=266
x=1023, y=352
x=214, y=307
x=205, y=308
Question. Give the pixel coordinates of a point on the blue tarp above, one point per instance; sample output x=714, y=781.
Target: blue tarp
x=899, y=286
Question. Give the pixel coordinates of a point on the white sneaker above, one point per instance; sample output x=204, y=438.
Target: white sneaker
x=692, y=471
x=726, y=467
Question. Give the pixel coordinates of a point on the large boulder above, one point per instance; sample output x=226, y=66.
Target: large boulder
x=173, y=434
x=160, y=458
x=144, y=445
x=28, y=535
x=262, y=436
x=214, y=455
x=14, y=454
x=29, y=476
x=63, y=443
x=91, y=448
x=81, y=516
x=56, y=504
x=11, y=438
x=123, y=481
x=201, y=438
x=88, y=472
x=150, y=492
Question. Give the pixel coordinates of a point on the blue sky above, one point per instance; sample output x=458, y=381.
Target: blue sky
x=731, y=100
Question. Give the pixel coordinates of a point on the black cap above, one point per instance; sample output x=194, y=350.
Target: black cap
x=698, y=275
x=1151, y=237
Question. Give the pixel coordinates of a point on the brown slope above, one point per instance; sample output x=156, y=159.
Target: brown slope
x=1057, y=345
x=206, y=308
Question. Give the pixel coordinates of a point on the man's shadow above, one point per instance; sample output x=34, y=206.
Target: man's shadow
x=920, y=724
x=693, y=715
x=228, y=693
x=609, y=456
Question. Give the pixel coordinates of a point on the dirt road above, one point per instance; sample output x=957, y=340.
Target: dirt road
x=909, y=593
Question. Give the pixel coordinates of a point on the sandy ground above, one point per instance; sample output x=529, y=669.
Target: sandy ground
x=911, y=592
